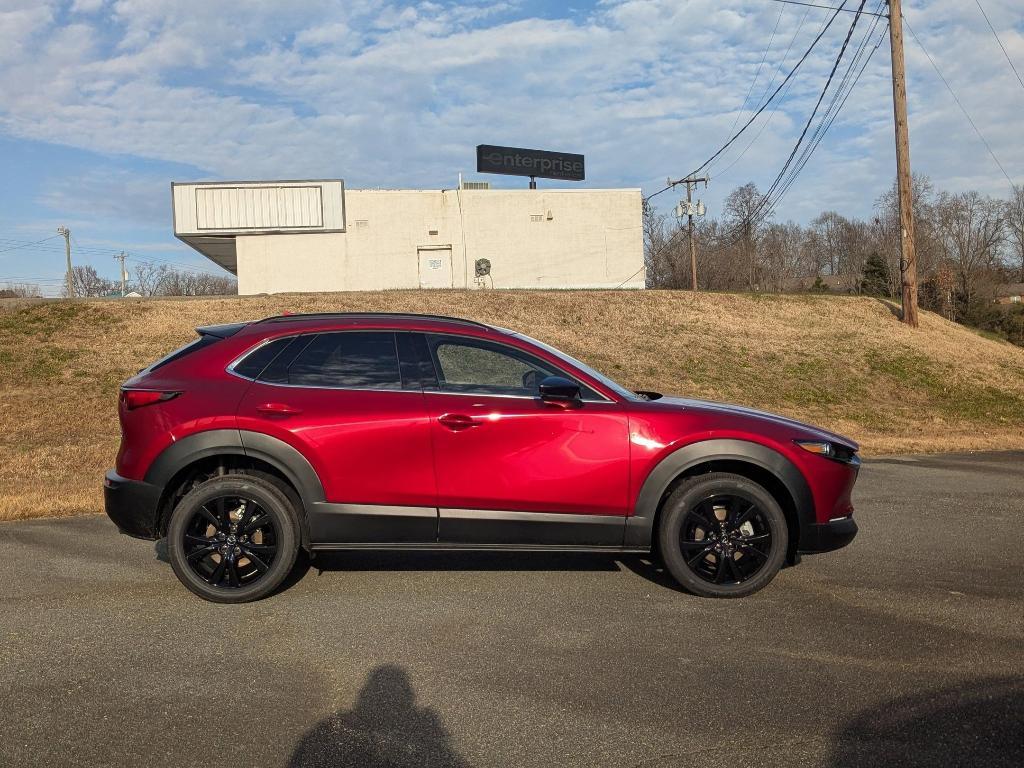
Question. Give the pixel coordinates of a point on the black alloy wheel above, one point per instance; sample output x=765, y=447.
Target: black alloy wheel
x=722, y=535
x=230, y=541
x=726, y=538
x=233, y=538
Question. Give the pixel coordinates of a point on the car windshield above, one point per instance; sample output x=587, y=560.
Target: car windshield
x=596, y=375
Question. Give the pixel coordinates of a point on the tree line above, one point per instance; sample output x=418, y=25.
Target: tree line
x=968, y=245
x=145, y=279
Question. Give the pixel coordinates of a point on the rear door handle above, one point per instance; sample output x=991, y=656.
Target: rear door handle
x=456, y=422
x=277, y=409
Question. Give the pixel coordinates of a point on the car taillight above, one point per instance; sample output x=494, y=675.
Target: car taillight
x=137, y=398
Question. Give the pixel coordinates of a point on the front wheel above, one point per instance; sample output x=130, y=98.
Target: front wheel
x=722, y=535
x=233, y=539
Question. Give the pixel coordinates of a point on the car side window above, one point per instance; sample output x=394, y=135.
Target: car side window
x=469, y=365
x=254, y=363
x=347, y=360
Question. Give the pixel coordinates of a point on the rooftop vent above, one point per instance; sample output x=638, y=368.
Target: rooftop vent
x=476, y=185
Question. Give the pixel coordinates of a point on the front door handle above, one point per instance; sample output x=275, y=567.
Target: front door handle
x=277, y=409
x=456, y=422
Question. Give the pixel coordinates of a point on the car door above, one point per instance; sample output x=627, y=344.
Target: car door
x=512, y=469
x=339, y=399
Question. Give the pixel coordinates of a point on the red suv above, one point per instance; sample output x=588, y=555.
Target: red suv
x=397, y=431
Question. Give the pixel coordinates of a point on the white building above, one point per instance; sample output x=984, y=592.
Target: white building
x=283, y=236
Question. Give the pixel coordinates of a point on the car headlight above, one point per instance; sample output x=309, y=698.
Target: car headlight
x=832, y=451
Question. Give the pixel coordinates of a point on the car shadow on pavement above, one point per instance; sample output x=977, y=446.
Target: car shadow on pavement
x=423, y=560
x=384, y=728
x=979, y=724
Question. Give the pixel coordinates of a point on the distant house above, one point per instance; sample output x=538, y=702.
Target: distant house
x=1010, y=293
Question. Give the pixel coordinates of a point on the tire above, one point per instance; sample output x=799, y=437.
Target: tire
x=712, y=519
x=233, y=539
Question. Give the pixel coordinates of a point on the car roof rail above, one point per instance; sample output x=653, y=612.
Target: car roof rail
x=371, y=315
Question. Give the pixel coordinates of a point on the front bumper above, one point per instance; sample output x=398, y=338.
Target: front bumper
x=132, y=505
x=827, y=536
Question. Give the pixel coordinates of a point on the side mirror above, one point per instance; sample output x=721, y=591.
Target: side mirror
x=557, y=389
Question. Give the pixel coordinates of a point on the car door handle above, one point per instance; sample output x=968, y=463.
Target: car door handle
x=277, y=409
x=456, y=422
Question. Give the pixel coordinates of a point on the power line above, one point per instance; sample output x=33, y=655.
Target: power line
x=26, y=245
x=764, y=106
x=771, y=115
x=824, y=127
x=810, y=119
x=829, y=8
x=957, y=100
x=757, y=73
x=839, y=97
x=786, y=177
x=996, y=36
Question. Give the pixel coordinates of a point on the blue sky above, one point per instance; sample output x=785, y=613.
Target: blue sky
x=104, y=102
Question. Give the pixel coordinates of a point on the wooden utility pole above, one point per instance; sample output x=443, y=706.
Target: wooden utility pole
x=690, y=210
x=908, y=255
x=693, y=247
x=121, y=257
x=67, y=252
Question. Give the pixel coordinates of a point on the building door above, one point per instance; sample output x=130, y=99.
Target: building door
x=435, y=267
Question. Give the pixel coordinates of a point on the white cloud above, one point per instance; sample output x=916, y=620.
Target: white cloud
x=400, y=95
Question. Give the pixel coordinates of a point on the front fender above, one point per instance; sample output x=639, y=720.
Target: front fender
x=640, y=526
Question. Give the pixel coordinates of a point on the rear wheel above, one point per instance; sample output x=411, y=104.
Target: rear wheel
x=722, y=535
x=233, y=539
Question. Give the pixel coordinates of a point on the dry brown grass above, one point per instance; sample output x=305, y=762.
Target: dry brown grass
x=843, y=363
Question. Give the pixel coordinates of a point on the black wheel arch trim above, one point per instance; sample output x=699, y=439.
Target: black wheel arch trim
x=233, y=442
x=640, y=525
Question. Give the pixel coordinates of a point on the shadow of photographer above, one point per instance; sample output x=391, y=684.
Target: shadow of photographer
x=384, y=728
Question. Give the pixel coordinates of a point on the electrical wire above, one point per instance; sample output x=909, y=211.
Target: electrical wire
x=760, y=109
x=26, y=245
x=996, y=36
x=828, y=7
x=771, y=115
x=778, y=179
x=957, y=100
x=757, y=73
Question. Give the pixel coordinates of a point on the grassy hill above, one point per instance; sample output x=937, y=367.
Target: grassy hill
x=842, y=362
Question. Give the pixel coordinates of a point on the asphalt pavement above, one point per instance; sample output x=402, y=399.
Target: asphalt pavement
x=906, y=648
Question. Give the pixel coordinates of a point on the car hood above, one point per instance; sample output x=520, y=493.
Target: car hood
x=812, y=432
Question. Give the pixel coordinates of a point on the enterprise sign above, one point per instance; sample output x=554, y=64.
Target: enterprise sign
x=513, y=161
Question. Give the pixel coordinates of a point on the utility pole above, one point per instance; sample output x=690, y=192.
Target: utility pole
x=689, y=212
x=908, y=255
x=121, y=257
x=67, y=252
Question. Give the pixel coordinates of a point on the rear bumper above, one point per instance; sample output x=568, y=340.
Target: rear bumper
x=827, y=536
x=132, y=505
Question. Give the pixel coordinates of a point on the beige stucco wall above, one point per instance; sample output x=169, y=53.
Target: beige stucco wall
x=583, y=239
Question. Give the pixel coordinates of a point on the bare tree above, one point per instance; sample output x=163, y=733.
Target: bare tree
x=146, y=278
x=20, y=291
x=742, y=219
x=972, y=228
x=781, y=255
x=663, y=249
x=177, y=282
x=1015, y=223
x=888, y=231
x=88, y=283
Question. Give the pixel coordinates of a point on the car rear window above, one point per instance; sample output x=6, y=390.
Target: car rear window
x=192, y=346
x=348, y=360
